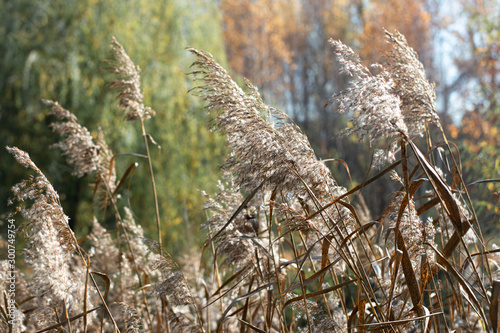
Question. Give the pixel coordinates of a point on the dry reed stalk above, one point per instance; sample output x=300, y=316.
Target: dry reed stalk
x=131, y=101
x=290, y=252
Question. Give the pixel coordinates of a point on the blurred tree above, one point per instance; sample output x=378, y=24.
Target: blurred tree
x=45, y=54
x=477, y=139
x=255, y=34
x=55, y=50
x=410, y=17
x=478, y=82
x=314, y=78
x=480, y=56
x=282, y=47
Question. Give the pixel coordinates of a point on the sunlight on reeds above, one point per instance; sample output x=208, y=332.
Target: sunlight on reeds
x=289, y=249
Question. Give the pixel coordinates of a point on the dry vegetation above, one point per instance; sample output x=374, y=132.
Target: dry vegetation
x=289, y=252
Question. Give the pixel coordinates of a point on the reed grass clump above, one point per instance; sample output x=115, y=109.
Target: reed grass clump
x=290, y=250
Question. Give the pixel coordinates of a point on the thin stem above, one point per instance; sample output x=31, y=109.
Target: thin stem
x=157, y=210
x=132, y=255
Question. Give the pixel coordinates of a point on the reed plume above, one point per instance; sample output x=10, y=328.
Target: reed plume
x=51, y=242
x=130, y=97
x=264, y=152
x=290, y=253
x=86, y=155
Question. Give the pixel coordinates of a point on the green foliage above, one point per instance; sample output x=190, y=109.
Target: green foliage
x=56, y=50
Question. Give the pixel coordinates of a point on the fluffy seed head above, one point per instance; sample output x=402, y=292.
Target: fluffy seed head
x=77, y=143
x=129, y=84
x=411, y=86
x=51, y=242
x=85, y=155
x=376, y=110
x=266, y=147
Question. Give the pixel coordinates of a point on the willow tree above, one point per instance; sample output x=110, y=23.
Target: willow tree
x=57, y=49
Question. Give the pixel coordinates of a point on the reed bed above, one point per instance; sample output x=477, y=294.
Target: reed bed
x=290, y=248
